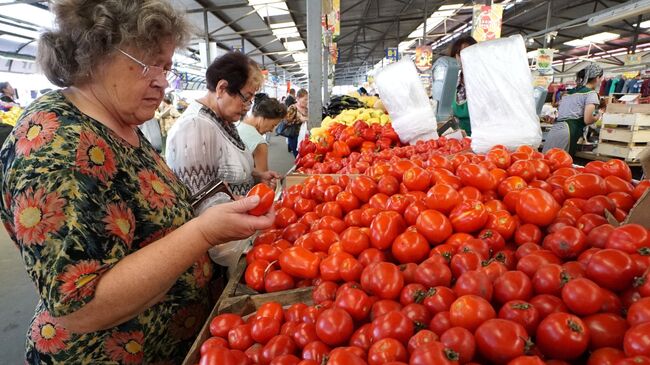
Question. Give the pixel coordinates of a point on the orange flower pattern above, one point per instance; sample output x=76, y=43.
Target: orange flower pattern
x=76, y=199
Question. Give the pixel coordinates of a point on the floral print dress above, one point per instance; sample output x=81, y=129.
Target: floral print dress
x=76, y=199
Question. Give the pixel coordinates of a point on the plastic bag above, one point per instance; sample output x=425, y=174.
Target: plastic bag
x=404, y=97
x=500, y=95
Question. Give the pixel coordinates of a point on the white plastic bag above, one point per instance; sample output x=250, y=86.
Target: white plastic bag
x=404, y=97
x=500, y=95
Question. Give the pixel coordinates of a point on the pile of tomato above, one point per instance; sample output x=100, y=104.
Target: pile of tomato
x=502, y=258
x=353, y=149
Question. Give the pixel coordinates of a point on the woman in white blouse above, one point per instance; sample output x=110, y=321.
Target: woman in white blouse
x=266, y=114
x=204, y=145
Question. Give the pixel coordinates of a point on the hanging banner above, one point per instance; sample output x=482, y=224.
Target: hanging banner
x=334, y=53
x=331, y=19
x=423, y=57
x=632, y=59
x=544, y=61
x=486, y=22
x=542, y=81
x=391, y=54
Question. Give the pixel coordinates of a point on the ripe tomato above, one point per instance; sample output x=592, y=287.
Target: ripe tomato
x=512, y=183
x=278, y=280
x=470, y=193
x=530, y=263
x=316, y=351
x=528, y=233
x=361, y=338
x=421, y=338
x=344, y=356
x=294, y=231
x=354, y=240
x=216, y=356
x=605, y=330
x=354, y=301
x=582, y=296
x=549, y=279
x=416, y=179
x=264, y=329
x=413, y=211
x=433, y=353
x=386, y=350
x=378, y=201
x=324, y=291
x=606, y=356
x=461, y=341
x=393, y=324
x=439, y=299
x=475, y=283
x=566, y=243
x=584, y=186
x=469, y=311
x=616, y=167
x=363, y=187
x=468, y=216
x=636, y=341
x=639, y=312
x=223, y=323
x=547, y=304
x=640, y=189
x=623, y=201
x=278, y=346
x=521, y=312
x=522, y=168
x=611, y=269
x=629, y=238
x=477, y=176
x=512, y=285
x=537, y=206
x=382, y=279
x=502, y=222
x=255, y=273
x=284, y=217
x=213, y=342
x=334, y=326
x=299, y=262
x=465, y=261
x=562, y=336
x=500, y=157
x=371, y=255
x=494, y=269
x=542, y=170
x=410, y=247
x=440, y=323
x=388, y=185
x=434, y=226
x=500, y=340
x=558, y=158
x=442, y=197
x=385, y=227
x=347, y=201
x=266, y=196
x=527, y=360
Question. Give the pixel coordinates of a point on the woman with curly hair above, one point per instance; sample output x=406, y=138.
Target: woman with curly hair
x=105, y=229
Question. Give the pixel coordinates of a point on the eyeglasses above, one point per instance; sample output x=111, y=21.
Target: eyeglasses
x=244, y=99
x=151, y=72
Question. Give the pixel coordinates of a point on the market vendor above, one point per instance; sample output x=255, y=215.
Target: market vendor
x=459, y=106
x=204, y=145
x=105, y=229
x=266, y=114
x=577, y=109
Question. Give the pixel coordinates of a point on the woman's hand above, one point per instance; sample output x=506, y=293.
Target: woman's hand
x=228, y=222
x=269, y=177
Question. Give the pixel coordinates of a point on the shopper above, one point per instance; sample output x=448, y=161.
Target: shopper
x=577, y=109
x=204, y=145
x=166, y=114
x=291, y=98
x=297, y=114
x=459, y=106
x=267, y=113
x=362, y=91
x=7, y=93
x=105, y=229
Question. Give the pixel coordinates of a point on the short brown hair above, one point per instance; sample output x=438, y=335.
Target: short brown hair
x=301, y=93
x=87, y=32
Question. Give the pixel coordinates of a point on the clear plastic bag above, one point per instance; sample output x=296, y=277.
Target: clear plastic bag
x=404, y=97
x=500, y=95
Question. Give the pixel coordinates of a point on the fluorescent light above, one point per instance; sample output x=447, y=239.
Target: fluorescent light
x=285, y=30
x=294, y=46
x=300, y=56
x=451, y=7
x=267, y=8
x=602, y=37
x=577, y=43
x=532, y=54
x=645, y=24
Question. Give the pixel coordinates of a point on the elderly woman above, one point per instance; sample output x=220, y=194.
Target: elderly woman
x=204, y=145
x=104, y=227
x=267, y=113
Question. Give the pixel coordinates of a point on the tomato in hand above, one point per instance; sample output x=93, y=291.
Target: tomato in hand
x=562, y=336
x=266, y=196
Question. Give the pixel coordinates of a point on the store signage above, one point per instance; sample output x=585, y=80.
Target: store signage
x=334, y=53
x=544, y=61
x=238, y=48
x=486, y=22
x=423, y=57
x=331, y=19
x=632, y=59
x=391, y=54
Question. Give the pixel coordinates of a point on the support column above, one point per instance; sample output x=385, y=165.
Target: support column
x=549, y=9
x=636, y=35
x=314, y=59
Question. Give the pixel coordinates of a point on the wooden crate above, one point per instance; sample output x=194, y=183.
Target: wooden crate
x=245, y=305
x=624, y=135
x=629, y=153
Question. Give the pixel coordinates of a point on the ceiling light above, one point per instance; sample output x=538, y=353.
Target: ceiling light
x=621, y=12
x=645, y=24
x=451, y=7
x=267, y=8
x=602, y=37
x=532, y=54
x=294, y=45
x=578, y=43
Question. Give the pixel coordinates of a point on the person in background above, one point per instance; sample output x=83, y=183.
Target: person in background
x=459, y=106
x=204, y=145
x=267, y=113
x=166, y=114
x=297, y=114
x=291, y=98
x=106, y=230
x=577, y=109
x=151, y=131
x=7, y=93
x=362, y=91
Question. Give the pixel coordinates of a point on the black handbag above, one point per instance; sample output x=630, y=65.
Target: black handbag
x=288, y=130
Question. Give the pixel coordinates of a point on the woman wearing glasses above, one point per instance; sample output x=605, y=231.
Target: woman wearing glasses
x=204, y=145
x=104, y=227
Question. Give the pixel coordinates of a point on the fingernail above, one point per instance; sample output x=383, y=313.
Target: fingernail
x=255, y=199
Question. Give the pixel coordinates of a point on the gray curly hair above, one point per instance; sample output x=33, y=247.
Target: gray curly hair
x=87, y=33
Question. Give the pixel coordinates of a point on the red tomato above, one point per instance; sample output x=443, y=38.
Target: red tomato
x=413, y=211
x=216, y=356
x=584, y=186
x=528, y=233
x=378, y=201
x=500, y=340
x=542, y=170
x=278, y=346
x=410, y=247
x=393, y=324
x=616, y=167
x=416, y=179
x=629, y=238
x=468, y=216
x=582, y=296
x=512, y=285
x=264, y=329
x=361, y=338
x=465, y=261
x=388, y=185
x=526, y=360
x=266, y=196
x=562, y=336
x=213, y=342
x=522, y=168
x=223, y=323
x=606, y=356
x=440, y=323
x=354, y=301
x=470, y=193
x=461, y=341
x=475, y=283
x=347, y=201
x=605, y=330
x=537, y=206
x=558, y=158
x=439, y=299
x=363, y=187
x=639, y=312
x=636, y=341
x=512, y=183
x=530, y=263
x=433, y=353
x=622, y=200
x=442, y=197
x=382, y=279
x=500, y=157
x=385, y=227
x=434, y=226
x=469, y=311
x=354, y=240
x=324, y=291
x=547, y=304
x=476, y=176
x=566, y=243
x=334, y=326
x=549, y=279
x=640, y=189
x=611, y=269
x=385, y=351
x=255, y=274
x=299, y=262
x=278, y=280
x=421, y=338
x=370, y=256
x=316, y=351
x=521, y=312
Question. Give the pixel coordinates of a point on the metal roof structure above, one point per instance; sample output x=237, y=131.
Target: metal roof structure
x=273, y=32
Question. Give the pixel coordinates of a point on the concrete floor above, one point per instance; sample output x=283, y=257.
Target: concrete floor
x=18, y=295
